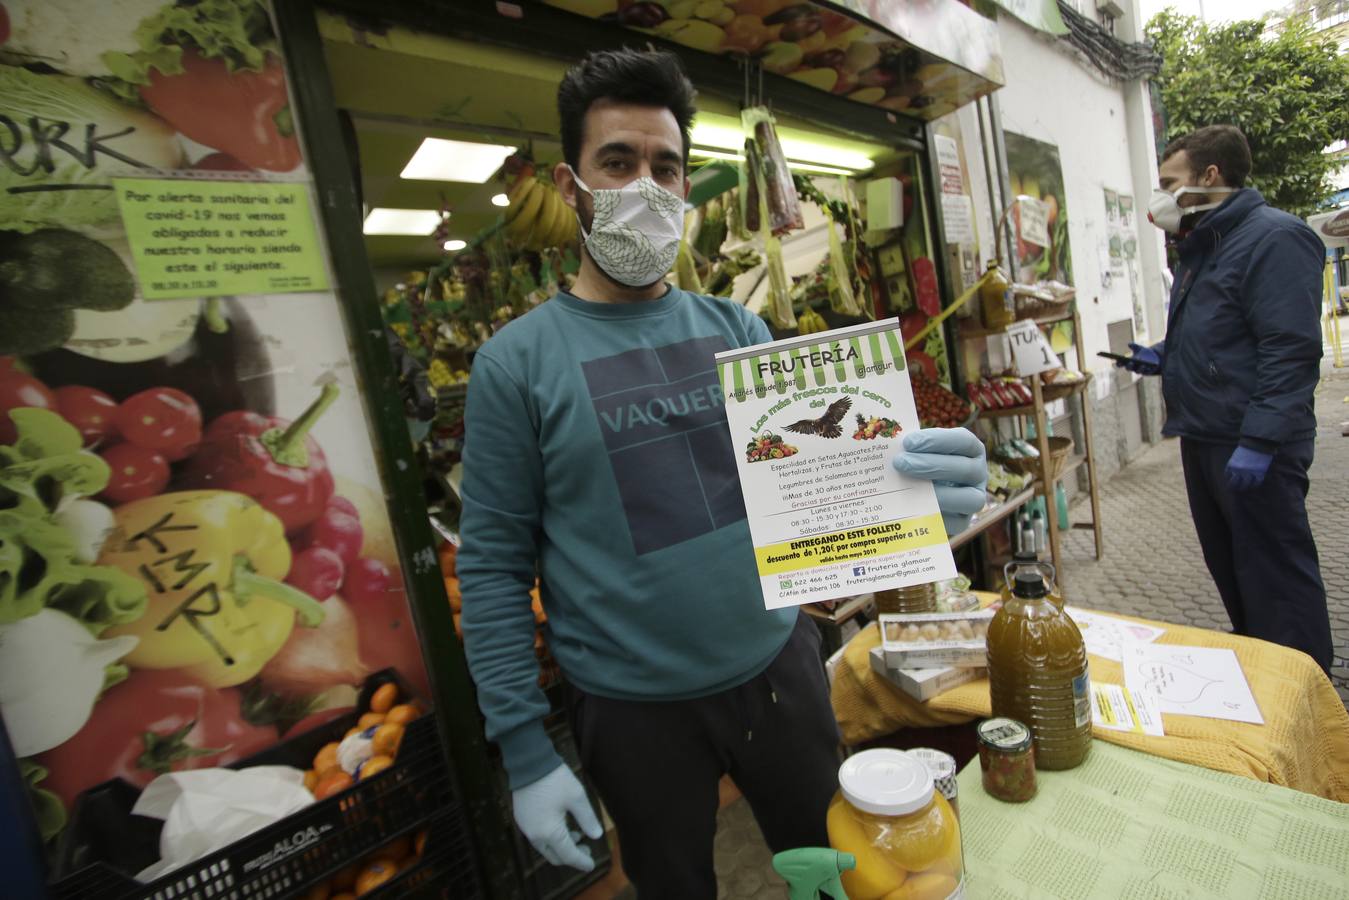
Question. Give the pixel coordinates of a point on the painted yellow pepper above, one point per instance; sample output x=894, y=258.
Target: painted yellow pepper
x=212, y=563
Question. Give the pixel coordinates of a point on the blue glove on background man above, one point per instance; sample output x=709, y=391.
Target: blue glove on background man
x=1145, y=361
x=541, y=810
x=1247, y=468
x=953, y=460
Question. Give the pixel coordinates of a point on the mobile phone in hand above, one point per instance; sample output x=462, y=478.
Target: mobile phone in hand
x=1115, y=356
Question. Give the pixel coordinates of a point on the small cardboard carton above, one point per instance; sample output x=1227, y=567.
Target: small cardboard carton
x=935, y=640
x=922, y=684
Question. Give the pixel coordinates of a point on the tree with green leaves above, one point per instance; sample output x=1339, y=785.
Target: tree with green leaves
x=1287, y=90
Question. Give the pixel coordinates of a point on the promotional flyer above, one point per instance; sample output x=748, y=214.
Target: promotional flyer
x=818, y=420
x=198, y=561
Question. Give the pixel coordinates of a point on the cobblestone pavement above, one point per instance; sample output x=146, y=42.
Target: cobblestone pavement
x=1153, y=566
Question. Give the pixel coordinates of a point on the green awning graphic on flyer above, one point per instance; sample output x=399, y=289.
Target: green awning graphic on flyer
x=810, y=362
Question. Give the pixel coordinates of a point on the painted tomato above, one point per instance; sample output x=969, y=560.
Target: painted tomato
x=158, y=720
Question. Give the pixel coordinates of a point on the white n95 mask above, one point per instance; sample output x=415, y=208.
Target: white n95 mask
x=1166, y=213
x=634, y=236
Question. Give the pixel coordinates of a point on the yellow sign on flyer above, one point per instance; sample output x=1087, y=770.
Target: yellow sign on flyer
x=214, y=238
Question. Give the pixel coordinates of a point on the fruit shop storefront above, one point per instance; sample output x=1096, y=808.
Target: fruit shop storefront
x=220, y=453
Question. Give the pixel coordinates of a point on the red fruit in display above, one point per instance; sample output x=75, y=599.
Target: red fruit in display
x=90, y=410
x=336, y=531
x=137, y=473
x=19, y=390
x=163, y=419
x=158, y=720
x=342, y=504
x=317, y=571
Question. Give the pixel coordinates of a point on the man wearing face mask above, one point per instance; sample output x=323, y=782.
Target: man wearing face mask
x=1239, y=368
x=597, y=453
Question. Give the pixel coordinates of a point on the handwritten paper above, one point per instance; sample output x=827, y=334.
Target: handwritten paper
x=1106, y=635
x=1191, y=681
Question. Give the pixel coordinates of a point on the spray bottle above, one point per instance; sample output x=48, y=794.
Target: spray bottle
x=813, y=872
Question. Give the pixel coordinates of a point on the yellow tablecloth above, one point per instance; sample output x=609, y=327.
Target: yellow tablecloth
x=1304, y=743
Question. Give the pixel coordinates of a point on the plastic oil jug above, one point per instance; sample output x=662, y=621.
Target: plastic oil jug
x=1037, y=672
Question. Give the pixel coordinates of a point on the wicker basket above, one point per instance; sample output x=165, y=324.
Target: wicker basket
x=1060, y=451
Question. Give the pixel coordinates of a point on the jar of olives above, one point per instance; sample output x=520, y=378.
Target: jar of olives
x=1007, y=758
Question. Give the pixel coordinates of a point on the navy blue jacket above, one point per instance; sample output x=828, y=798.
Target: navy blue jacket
x=1242, y=354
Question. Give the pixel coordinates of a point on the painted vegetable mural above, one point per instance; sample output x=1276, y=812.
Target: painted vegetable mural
x=195, y=555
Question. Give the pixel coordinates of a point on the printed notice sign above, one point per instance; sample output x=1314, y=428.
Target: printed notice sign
x=1031, y=349
x=212, y=238
x=815, y=421
x=1033, y=221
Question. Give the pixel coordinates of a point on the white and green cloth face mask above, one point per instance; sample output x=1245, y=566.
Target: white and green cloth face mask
x=635, y=233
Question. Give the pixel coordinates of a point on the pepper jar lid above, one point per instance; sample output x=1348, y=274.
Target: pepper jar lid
x=1007, y=735
x=885, y=782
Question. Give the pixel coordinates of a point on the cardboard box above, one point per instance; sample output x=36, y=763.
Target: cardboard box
x=935, y=640
x=922, y=684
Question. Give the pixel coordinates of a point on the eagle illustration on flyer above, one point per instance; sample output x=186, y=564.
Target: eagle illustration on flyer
x=829, y=515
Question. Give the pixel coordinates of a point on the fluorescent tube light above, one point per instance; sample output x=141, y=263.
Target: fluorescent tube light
x=797, y=150
x=419, y=222
x=438, y=159
x=794, y=164
x=455, y=244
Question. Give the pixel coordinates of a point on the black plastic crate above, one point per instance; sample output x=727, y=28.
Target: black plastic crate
x=445, y=871
x=105, y=845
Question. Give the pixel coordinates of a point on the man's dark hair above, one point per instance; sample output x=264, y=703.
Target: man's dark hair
x=642, y=77
x=1223, y=146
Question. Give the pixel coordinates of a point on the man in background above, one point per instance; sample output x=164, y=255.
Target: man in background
x=1239, y=368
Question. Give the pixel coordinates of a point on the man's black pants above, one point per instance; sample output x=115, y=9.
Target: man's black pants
x=657, y=765
x=1259, y=548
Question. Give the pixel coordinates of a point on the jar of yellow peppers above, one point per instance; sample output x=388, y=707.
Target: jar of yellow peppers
x=904, y=835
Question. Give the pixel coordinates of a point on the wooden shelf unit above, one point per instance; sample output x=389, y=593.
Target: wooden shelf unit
x=1044, y=485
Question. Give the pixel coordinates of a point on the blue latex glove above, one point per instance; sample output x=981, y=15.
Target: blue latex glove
x=541, y=813
x=1247, y=468
x=953, y=460
x=1145, y=361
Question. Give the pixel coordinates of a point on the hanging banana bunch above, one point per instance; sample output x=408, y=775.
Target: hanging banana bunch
x=537, y=217
x=810, y=322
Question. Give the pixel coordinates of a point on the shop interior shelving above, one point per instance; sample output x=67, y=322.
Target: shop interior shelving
x=1044, y=484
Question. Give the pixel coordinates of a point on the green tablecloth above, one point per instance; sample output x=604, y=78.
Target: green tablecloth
x=1129, y=826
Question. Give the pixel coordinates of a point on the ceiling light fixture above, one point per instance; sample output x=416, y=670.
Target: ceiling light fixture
x=418, y=222
x=455, y=244
x=501, y=200
x=438, y=159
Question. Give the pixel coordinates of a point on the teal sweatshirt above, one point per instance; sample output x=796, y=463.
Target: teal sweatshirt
x=597, y=450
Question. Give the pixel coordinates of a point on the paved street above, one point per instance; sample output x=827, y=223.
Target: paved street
x=1153, y=567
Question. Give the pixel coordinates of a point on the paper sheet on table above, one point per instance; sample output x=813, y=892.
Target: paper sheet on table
x=206, y=809
x=1106, y=635
x=1119, y=709
x=1126, y=824
x=1192, y=681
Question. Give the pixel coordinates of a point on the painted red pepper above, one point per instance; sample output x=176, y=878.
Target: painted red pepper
x=244, y=114
x=269, y=459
